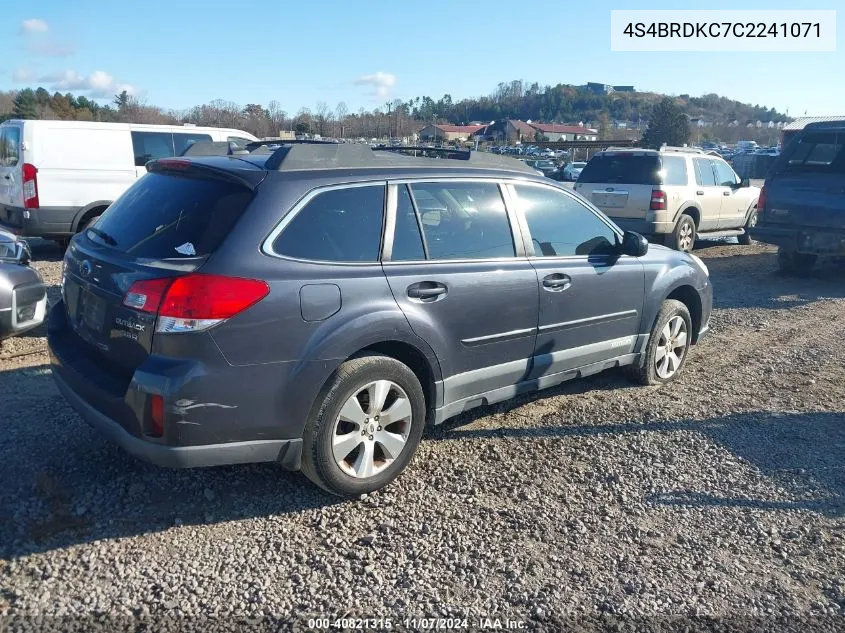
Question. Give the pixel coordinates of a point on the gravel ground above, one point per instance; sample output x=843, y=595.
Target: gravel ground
x=721, y=495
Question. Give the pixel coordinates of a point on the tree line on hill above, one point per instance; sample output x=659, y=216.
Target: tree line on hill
x=397, y=118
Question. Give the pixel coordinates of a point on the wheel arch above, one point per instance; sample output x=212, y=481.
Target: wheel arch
x=87, y=212
x=689, y=296
x=690, y=208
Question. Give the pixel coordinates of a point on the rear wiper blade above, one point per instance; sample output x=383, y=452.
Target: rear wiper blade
x=108, y=239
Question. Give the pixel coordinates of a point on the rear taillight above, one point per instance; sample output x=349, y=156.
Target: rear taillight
x=658, y=200
x=30, y=186
x=146, y=295
x=194, y=302
x=761, y=202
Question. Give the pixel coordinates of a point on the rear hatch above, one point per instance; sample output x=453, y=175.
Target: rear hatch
x=806, y=186
x=166, y=225
x=620, y=183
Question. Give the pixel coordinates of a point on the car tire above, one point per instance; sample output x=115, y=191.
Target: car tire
x=745, y=238
x=372, y=454
x=683, y=237
x=84, y=225
x=792, y=263
x=665, y=344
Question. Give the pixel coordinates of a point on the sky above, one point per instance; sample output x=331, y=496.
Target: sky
x=179, y=54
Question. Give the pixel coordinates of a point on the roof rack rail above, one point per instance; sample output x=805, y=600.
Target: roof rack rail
x=213, y=148
x=254, y=145
x=329, y=155
x=688, y=150
x=460, y=154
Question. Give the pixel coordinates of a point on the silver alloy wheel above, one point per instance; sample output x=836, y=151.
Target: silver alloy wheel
x=685, y=236
x=752, y=221
x=372, y=429
x=671, y=347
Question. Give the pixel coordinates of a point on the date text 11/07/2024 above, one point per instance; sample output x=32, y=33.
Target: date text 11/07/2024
x=419, y=624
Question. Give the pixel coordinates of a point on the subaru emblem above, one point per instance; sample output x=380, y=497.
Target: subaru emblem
x=85, y=269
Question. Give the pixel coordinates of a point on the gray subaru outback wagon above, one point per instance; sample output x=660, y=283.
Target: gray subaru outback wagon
x=317, y=306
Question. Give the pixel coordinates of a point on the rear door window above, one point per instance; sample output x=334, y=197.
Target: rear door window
x=338, y=225
x=151, y=145
x=165, y=216
x=704, y=176
x=463, y=220
x=674, y=170
x=816, y=152
x=10, y=144
x=181, y=142
x=627, y=168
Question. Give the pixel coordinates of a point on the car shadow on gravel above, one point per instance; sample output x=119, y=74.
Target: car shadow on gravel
x=801, y=454
x=64, y=484
x=753, y=281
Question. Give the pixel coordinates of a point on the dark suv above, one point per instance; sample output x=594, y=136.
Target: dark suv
x=318, y=306
x=802, y=204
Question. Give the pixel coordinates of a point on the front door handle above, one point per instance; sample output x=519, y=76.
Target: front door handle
x=726, y=193
x=556, y=282
x=427, y=291
x=699, y=193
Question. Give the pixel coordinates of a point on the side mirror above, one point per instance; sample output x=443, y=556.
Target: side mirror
x=634, y=244
x=745, y=182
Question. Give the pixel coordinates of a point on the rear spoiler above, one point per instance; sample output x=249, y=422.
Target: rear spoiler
x=249, y=178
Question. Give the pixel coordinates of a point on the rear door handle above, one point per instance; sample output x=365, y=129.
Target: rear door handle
x=7, y=177
x=427, y=291
x=699, y=193
x=556, y=282
x=726, y=193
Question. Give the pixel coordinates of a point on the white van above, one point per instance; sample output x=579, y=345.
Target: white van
x=58, y=176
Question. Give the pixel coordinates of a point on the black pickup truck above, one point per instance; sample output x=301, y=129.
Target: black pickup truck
x=801, y=207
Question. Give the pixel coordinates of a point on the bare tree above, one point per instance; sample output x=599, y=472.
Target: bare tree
x=321, y=115
x=277, y=116
x=340, y=113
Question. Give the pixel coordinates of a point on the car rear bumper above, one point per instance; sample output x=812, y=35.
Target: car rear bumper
x=285, y=451
x=816, y=241
x=41, y=222
x=205, y=423
x=642, y=226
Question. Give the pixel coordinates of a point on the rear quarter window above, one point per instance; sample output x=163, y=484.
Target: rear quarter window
x=337, y=225
x=164, y=216
x=674, y=170
x=629, y=169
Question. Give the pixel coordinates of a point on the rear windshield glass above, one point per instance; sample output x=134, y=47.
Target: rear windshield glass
x=629, y=169
x=816, y=152
x=164, y=216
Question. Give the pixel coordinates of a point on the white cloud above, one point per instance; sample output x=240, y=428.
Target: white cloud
x=33, y=25
x=22, y=75
x=47, y=48
x=98, y=85
x=381, y=83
